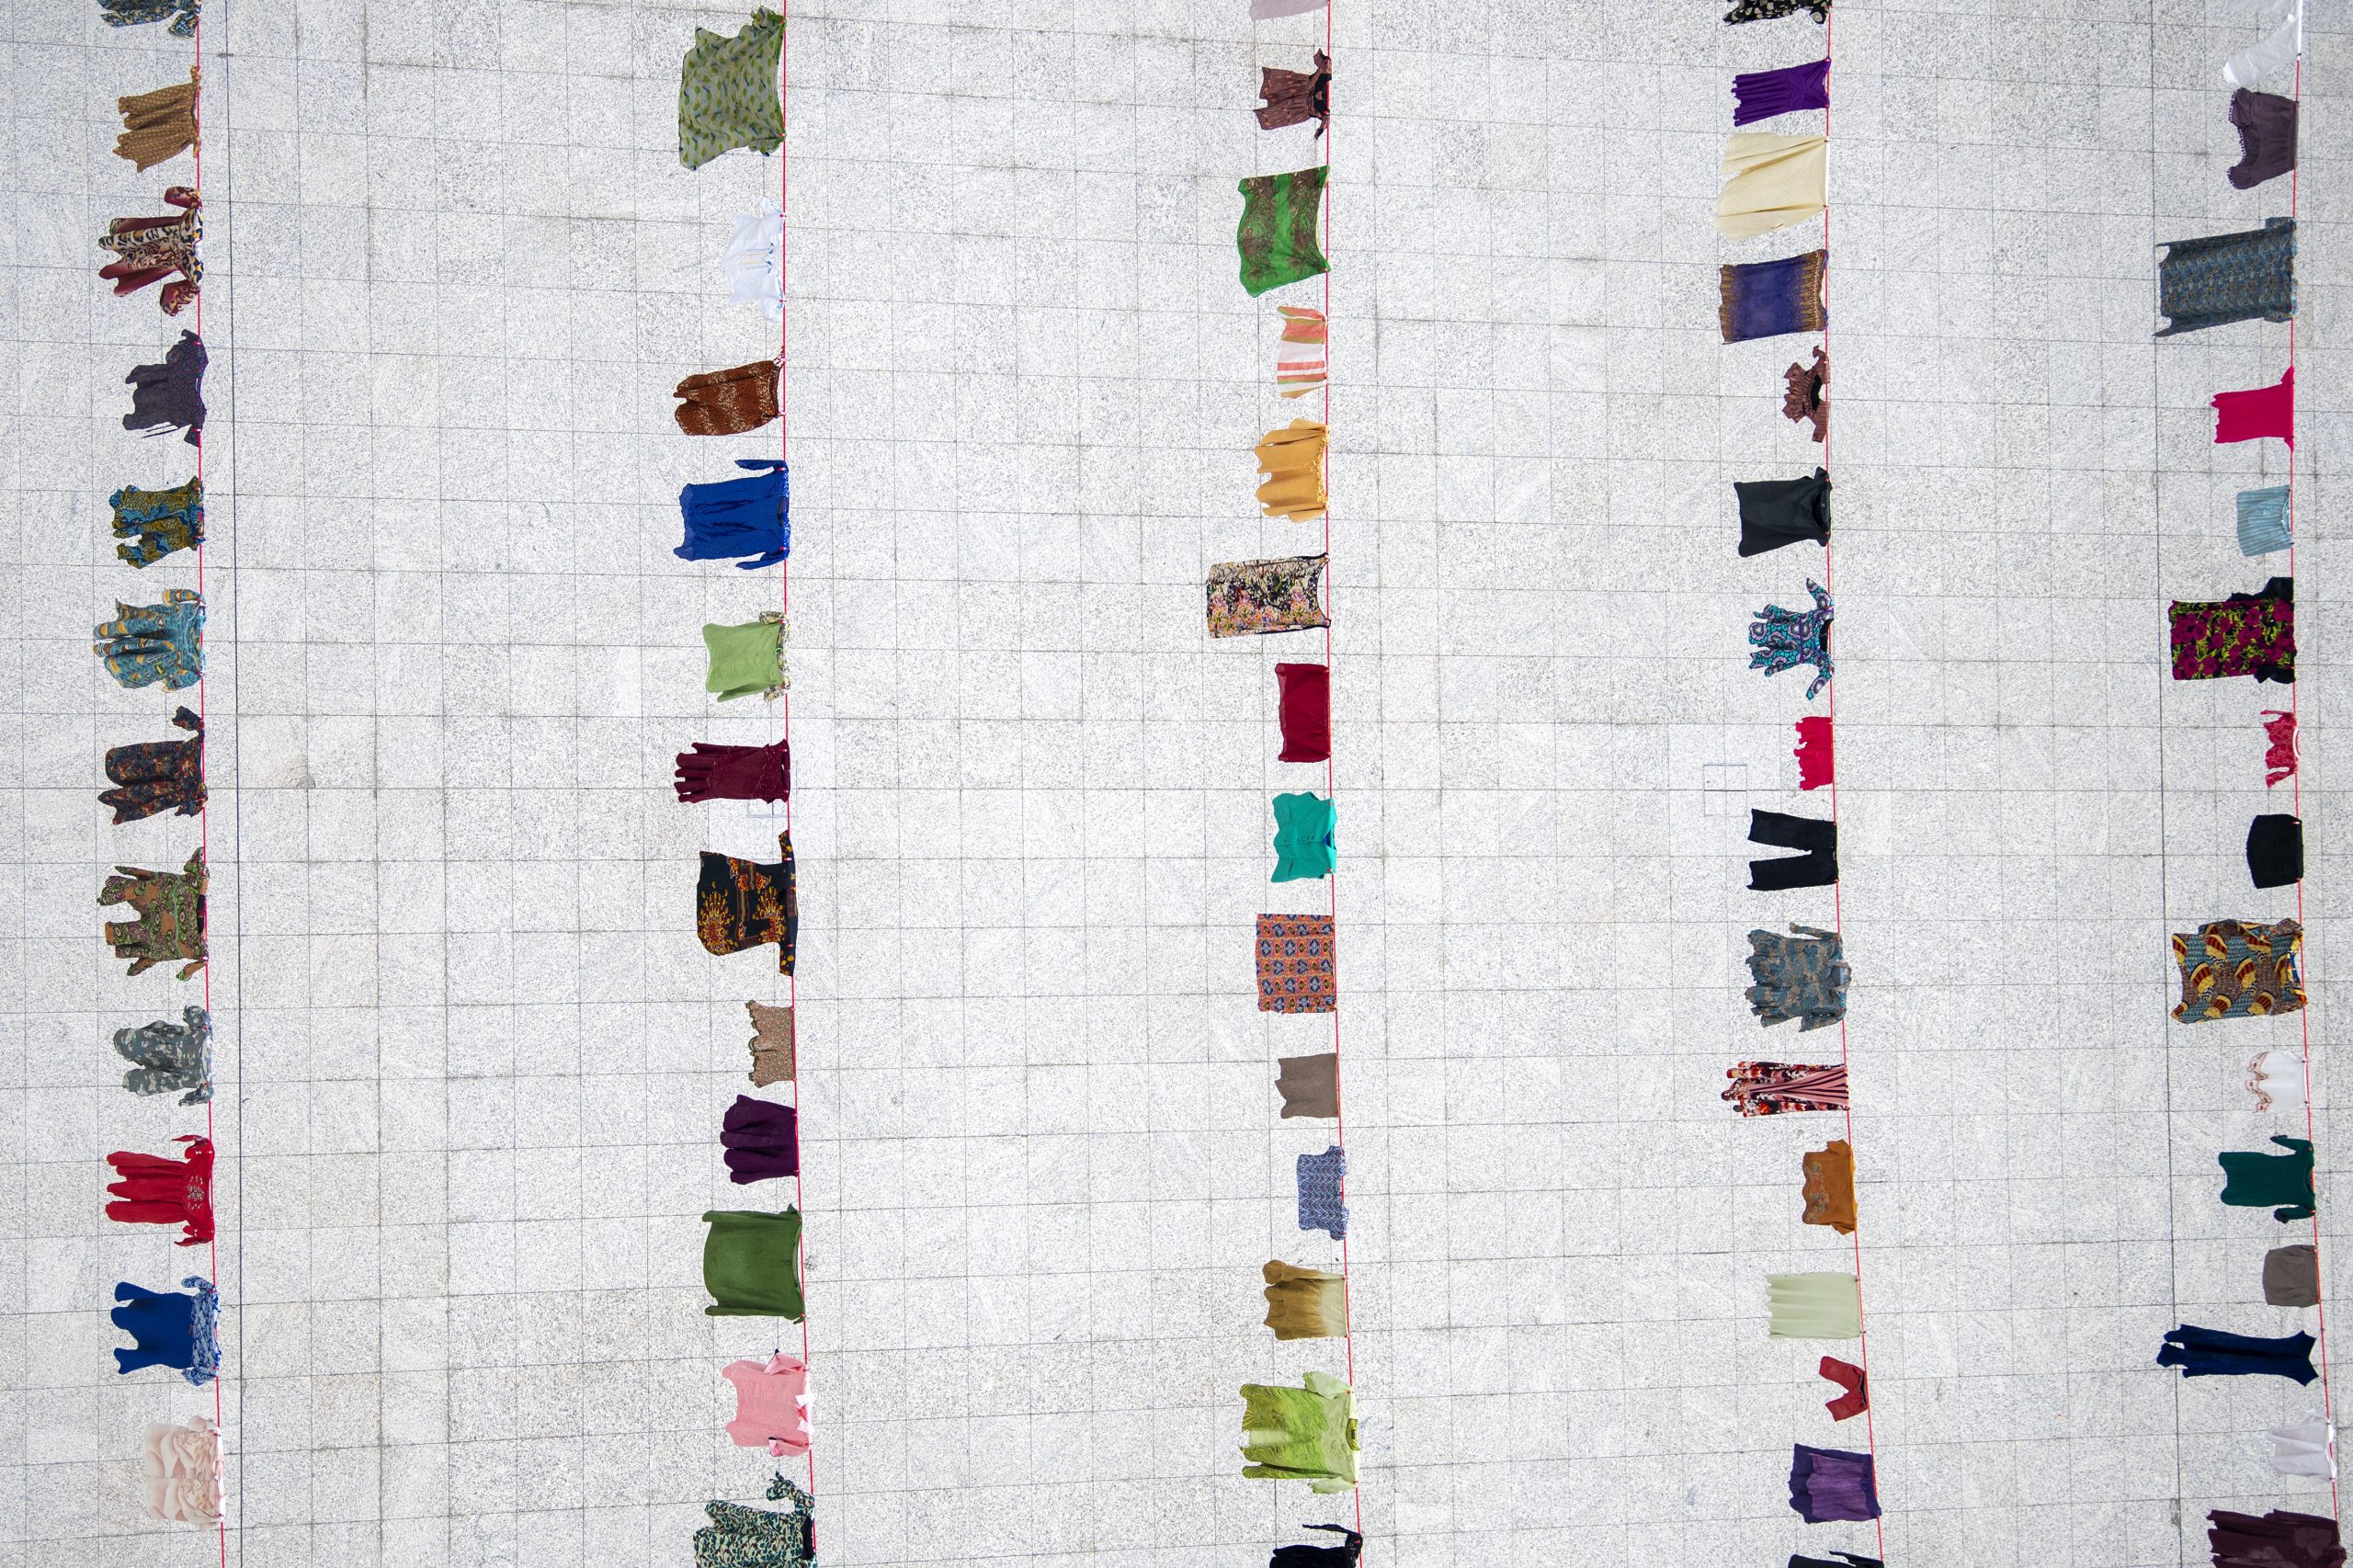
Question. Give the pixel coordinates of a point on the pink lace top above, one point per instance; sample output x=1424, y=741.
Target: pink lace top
x=771, y=1404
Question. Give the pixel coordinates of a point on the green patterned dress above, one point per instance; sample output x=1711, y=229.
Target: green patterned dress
x=1277, y=235
x=727, y=91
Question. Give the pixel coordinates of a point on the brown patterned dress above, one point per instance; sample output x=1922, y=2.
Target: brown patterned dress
x=169, y=909
x=730, y=402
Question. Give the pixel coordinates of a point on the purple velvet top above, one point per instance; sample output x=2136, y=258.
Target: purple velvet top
x=1761, y=95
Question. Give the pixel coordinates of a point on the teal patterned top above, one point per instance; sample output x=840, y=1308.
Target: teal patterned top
x=727, y=91
x=738, y=1537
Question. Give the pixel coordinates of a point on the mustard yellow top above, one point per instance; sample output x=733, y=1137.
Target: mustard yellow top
x=1306, y=1304
x=1292, y=459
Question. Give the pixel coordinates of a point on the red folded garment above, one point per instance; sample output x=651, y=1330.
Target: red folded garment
x=1303, y=707
x=1848, y=1376
x=2263, y=411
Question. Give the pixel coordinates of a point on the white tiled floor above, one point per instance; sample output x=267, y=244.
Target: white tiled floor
x=472, y=1058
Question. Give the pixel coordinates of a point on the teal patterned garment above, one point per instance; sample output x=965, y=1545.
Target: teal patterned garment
x=727, y=91
x=130, y=13
x=146, y=643
x=1783, y=639
x=160, y=521
x=2219, y=278
x=738, y=1537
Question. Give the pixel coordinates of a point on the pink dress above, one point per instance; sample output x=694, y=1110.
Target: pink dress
x=771, y=1405
x=2265, y=411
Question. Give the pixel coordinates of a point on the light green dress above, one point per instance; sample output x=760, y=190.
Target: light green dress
x=747, y=658
x=1815, y=1306
x=727, y=91
x=1300, y=1434
x=1303, y=829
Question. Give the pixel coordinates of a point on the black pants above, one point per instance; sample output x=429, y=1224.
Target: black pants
x=1818, y=868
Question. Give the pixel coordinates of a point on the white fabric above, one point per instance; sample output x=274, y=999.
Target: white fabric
x=2308, y=1448
x=2275, y=1079
x=2275, y=53
x=753, y=263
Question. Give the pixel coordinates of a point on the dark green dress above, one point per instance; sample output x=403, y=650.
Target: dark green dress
x=751, y=1264
x=2251, y=1181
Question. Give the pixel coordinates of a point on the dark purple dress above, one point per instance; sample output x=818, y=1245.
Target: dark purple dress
x=762, y=1139
x=1761, y=95
x=2266, y=126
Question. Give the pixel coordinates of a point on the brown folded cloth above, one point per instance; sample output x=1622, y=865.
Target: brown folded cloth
x=157, y=125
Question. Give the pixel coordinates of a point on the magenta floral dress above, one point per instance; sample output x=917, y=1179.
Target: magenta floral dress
x=2246, y=634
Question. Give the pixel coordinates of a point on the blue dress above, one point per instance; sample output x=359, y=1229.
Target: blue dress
x=170, y=1329
x=749, y=515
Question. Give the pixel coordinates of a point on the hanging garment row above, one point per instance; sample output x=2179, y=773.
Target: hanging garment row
x=1307, y=1433
x=730, y=97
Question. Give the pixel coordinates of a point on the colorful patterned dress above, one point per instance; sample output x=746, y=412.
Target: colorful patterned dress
x=2232, y=969
x=148, y=250
x=1297, y=973
x=2246, y=634
x=738, y=1537
x=182, y=14
x=741, y=904
x=158, y=776
x=1778, y=1088
x=1784, y=639
x=147, y=643
x=1252, y=599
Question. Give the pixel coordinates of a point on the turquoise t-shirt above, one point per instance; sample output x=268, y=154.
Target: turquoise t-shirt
x=1303, y=829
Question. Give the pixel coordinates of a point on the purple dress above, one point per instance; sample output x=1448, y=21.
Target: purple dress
x=1761, y=95
x=1831, y=1484
x=1768, y=299
x=2267, y=128
x=762, y=1139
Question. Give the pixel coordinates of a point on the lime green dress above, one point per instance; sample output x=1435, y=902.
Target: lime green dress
x=751, y=1264
x=1303, y=829
x=1300, y=1434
